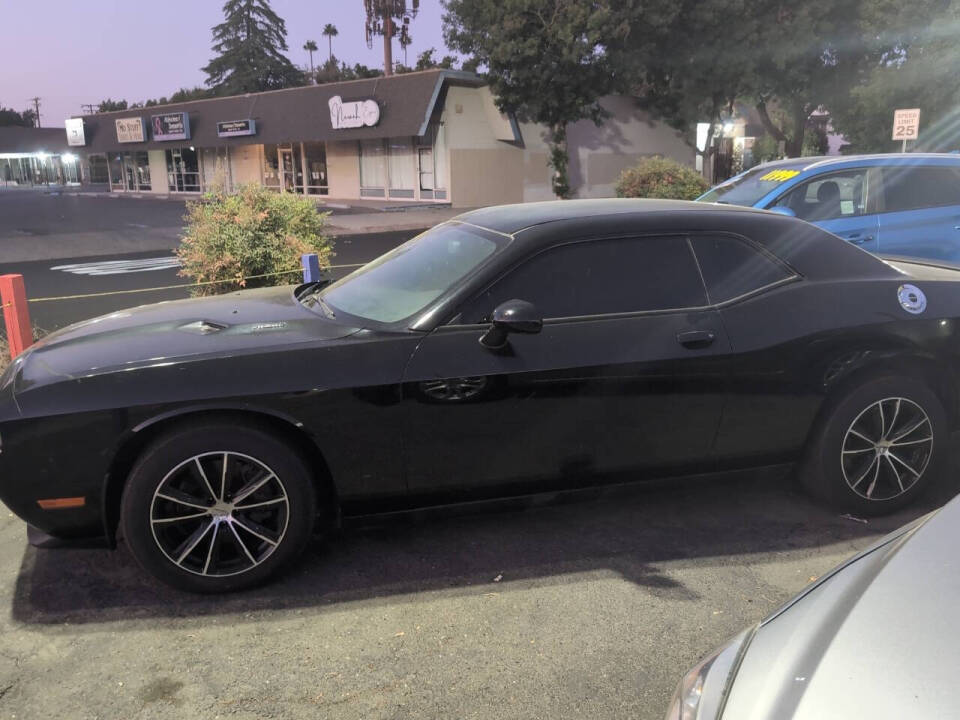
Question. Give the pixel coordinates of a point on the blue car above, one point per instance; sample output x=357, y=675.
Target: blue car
x=898, y=204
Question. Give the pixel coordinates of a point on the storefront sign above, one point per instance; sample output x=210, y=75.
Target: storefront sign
x=131, y=130
x=235, y=128
x=171, y=126
x=353, y=114
x=75, y=137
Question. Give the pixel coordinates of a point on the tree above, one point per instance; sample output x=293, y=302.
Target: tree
x=311, y=47
x=10, y=117
x=330, y=32
x=250, y=43
x=188, y=94
x=547, y=61
x=921, y=74
x=109, y=105
x=680, y=67
x=335, y=71
x=815, y=54
x=426, y=61
x=382, y=17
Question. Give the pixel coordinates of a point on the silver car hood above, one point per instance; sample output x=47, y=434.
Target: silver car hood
x=878, y=639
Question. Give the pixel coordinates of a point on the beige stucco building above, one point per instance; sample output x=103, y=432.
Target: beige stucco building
x=427, y=137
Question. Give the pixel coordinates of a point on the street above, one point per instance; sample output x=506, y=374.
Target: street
x=39, y=239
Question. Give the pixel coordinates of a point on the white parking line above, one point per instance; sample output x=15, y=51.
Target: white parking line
x=120, y=267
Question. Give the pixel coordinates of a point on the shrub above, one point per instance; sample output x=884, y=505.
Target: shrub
x=659, y=177
x=233, y=237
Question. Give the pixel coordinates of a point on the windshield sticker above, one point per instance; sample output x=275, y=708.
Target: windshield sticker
x=780, y=175
x=912, y=299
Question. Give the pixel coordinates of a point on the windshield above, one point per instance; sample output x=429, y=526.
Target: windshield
x=406, y=280
x=748, y=188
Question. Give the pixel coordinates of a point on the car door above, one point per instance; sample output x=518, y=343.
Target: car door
x=921, y=212
x=842, y=202
x=624, y=379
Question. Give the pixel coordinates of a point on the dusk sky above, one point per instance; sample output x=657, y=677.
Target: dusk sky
x=70, y=52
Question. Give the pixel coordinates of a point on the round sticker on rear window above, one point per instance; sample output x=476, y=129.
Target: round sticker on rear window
x=912, y=299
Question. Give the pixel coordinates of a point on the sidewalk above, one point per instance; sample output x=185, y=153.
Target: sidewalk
x=389, y=221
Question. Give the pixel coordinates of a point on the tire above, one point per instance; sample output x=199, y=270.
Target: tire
x=186, y=532
x=866, y=459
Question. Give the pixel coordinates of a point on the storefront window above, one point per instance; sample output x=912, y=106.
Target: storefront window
x=183, y=172
x=216, y=167
x=402, y=167
x=271, y=167
x=373, y=168
x=141, y=164
x=117, y=177
x=315, y=161
x=98, y=168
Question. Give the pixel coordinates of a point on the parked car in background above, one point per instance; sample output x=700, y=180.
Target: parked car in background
x=875, y=638
x=905, y=204
x=516, y=349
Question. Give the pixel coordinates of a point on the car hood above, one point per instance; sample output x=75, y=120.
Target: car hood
x=877, y=639
x=239, y=322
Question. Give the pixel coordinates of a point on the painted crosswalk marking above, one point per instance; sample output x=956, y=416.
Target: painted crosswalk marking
x=120, y=267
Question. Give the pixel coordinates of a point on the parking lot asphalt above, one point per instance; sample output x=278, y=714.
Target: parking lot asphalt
x=590, y=607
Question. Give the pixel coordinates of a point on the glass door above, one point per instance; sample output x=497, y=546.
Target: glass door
x=288, y=170
x=425, y=157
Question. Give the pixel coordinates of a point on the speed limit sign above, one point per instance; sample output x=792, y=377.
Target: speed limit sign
x=906, y=124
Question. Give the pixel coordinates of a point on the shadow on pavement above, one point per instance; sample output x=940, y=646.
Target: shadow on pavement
x=624, y=530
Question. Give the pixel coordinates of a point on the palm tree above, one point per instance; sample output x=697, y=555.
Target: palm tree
x=311, y=47
x=330, y=30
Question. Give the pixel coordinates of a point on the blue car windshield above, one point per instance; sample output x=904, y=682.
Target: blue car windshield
x=748, y=188
x=406, y=280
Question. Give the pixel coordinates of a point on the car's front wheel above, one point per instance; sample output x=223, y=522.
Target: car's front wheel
x=217, y=507
x=880, y=446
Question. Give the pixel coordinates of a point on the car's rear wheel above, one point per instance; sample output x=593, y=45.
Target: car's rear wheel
x=217, y=507
x=880, y=446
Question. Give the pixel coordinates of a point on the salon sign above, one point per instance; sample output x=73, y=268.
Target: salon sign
x=356, y=114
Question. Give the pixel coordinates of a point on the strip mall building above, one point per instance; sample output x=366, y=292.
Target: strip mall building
x=426, y=137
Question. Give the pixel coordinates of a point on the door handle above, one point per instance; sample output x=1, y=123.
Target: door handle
x=858, y=239
x=695, y=339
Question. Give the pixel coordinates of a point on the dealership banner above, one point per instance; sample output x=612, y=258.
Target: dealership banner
x=171, y=126
x=75, y=136
x=235, y=128
x=130, y=130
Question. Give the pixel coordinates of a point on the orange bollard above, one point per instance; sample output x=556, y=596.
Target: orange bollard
x=16, y=315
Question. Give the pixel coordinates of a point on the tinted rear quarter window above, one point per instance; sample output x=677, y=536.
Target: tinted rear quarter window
x=913, y=188
x=600, y=277
x=732, y=267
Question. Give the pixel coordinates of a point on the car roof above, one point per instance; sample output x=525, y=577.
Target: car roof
x=511, y=219
x=827, y=161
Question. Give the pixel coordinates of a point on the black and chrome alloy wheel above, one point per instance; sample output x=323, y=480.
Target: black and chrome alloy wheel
x=219, y=513
x=887, y=448
x=218, y=506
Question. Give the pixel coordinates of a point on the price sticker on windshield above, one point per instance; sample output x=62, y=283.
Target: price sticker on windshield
x=779, y=175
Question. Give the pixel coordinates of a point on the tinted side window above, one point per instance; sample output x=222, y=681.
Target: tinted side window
x=600, y=277
x=832, y=196
x=912, y=188
x=732, y=267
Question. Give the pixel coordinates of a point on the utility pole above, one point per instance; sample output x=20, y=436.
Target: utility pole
x=88, y=107
x=36, y=106
x=387, y=44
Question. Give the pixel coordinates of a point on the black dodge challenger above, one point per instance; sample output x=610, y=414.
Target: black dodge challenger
x=511, y=350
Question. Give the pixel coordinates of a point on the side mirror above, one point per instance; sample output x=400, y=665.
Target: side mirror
x=513, y=316
x=783, y=210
